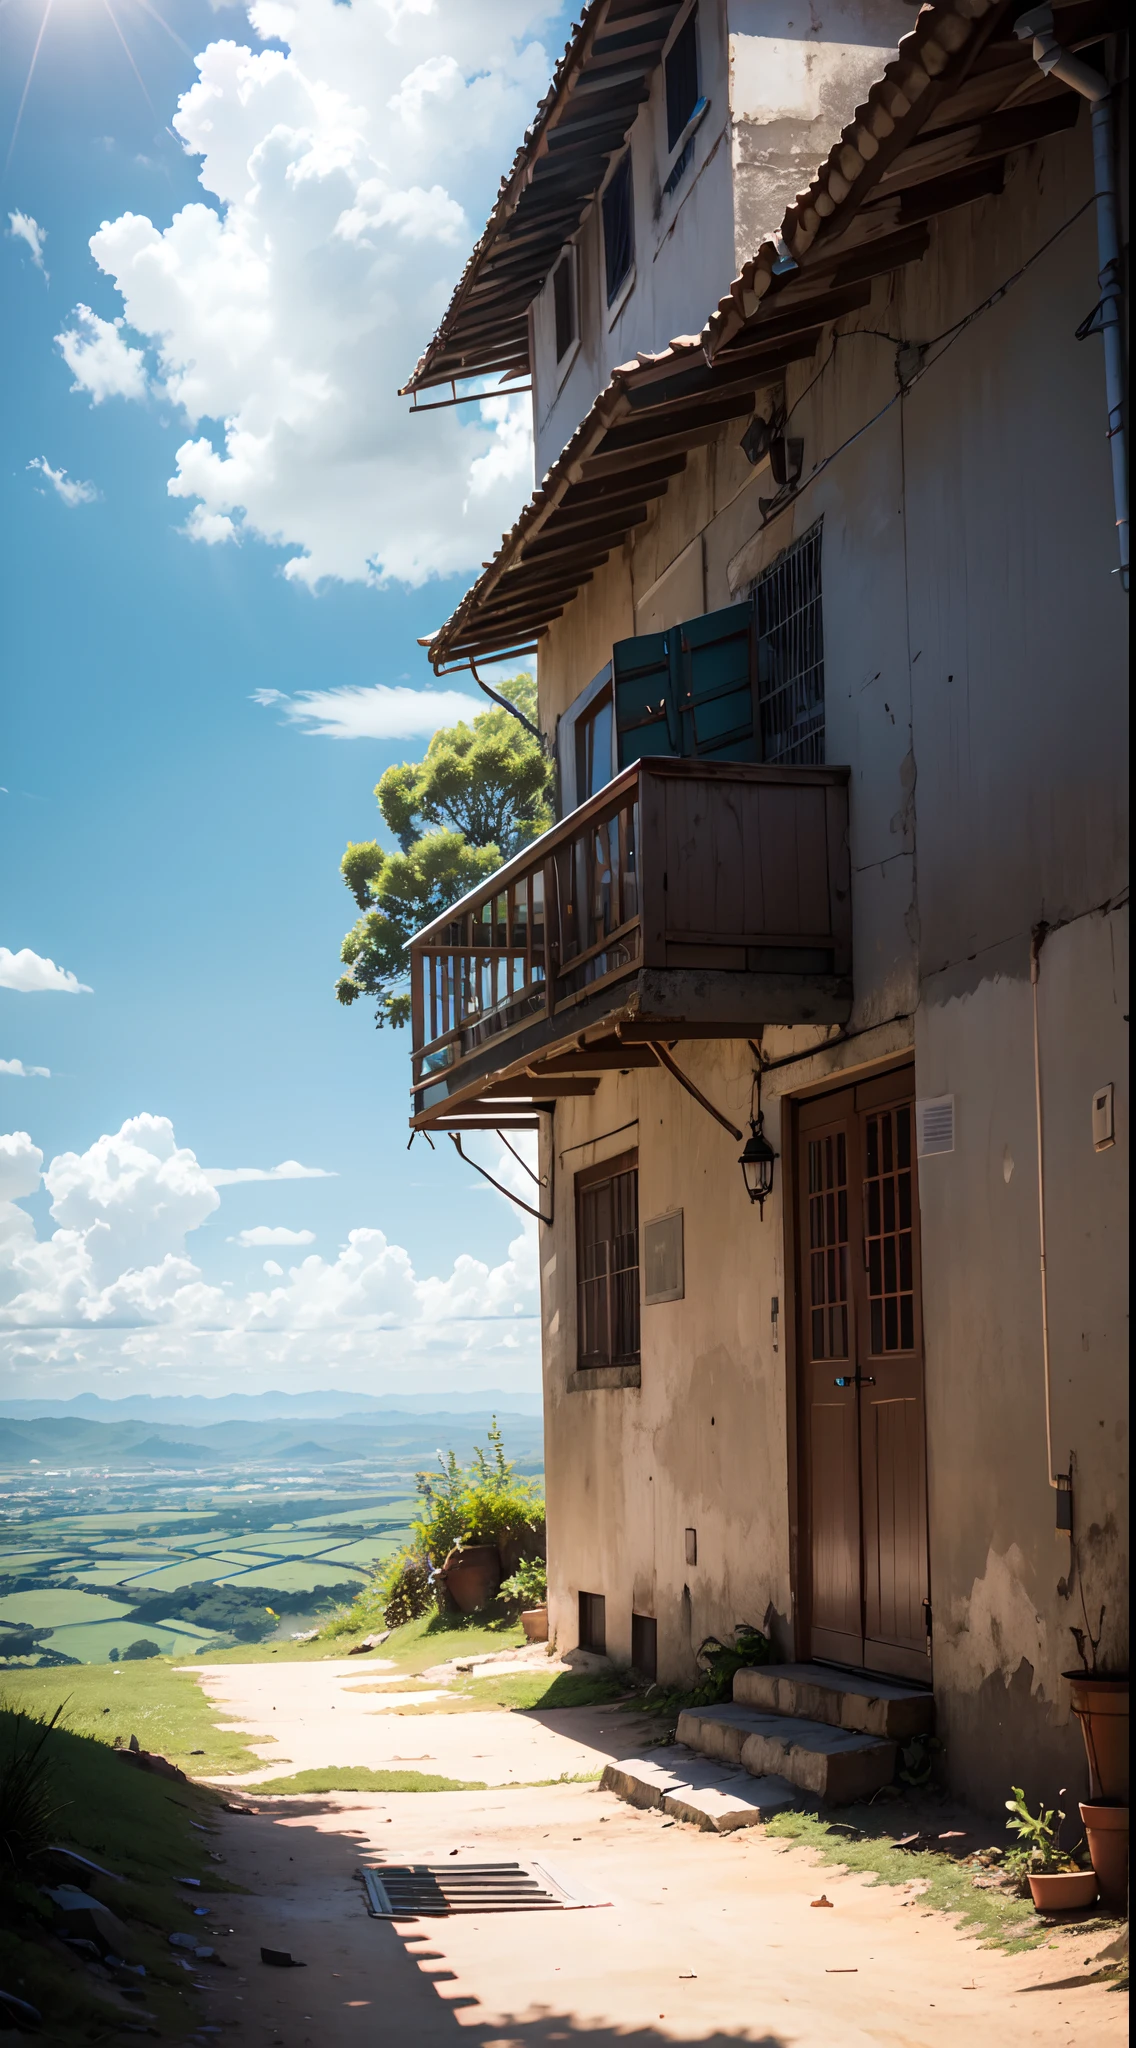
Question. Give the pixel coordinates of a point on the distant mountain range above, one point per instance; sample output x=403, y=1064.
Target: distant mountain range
x=54, y=1441
x=328, y=1405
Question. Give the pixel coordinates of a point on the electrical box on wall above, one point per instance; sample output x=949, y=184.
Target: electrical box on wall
x=663, y=1278
x=1104, y=1133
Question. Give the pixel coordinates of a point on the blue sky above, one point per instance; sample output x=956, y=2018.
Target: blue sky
x=168, y=840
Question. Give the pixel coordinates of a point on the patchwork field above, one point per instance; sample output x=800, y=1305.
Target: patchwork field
x=109, y=1553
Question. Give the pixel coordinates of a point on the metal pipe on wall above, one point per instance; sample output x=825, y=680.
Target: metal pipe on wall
x=1057, y=62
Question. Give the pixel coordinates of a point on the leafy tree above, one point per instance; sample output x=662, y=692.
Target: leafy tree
x=482, y=792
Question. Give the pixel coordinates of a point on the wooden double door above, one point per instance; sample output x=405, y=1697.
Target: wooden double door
x=863, y=1479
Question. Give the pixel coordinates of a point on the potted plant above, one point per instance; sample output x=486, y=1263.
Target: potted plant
x=1055, y=1882
x=1100, y=1702
x=528, y=1587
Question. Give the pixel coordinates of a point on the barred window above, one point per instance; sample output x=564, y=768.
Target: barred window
x=790, y=656
x=607, y=1263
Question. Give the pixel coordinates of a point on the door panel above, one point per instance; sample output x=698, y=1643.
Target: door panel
x=864, y=1470
x=832, y=1478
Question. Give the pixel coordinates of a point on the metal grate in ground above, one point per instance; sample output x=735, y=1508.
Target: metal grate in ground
x=398, y=1891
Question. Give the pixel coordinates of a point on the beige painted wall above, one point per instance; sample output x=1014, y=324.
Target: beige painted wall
x=975, y=667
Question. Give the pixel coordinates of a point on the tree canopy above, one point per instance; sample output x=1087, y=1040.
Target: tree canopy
x=481, y=792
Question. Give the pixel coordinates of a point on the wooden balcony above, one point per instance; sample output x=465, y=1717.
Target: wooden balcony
x=689, y=899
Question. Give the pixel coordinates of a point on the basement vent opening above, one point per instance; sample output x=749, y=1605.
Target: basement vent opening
x=935, y=1125
x=408, y=1891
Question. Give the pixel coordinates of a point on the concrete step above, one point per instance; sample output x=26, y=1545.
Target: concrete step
x=854, y=1700
x=694, y=1788
x=831, y=1763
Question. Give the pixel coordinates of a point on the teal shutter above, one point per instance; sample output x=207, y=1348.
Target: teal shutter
x=689, y=691
x=645, y=715
x=714, y=658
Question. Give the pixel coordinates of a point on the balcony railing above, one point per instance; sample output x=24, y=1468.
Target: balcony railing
x=732, y=869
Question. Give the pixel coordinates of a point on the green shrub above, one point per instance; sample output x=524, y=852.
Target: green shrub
x=528, y=1586
x=479, y=1503
x=482, y=1502
x=136, y=1652
x=406, y=1589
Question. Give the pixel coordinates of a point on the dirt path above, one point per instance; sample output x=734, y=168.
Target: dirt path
x=709, y=1939
x=342, y=1711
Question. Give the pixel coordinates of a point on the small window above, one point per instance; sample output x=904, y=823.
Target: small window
x=645, y=1646
x=564, y=303
x=593, y=1623
x=681, y=68
x=790, y=656
x=607, y=1263
x=618, y=227
x=593, y=749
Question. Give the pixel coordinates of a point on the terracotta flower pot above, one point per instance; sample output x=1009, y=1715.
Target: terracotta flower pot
x=472, y=1576
x=534, y=1621
x=1106, y=1832
x=1100, y=1702
x=1062, y=1891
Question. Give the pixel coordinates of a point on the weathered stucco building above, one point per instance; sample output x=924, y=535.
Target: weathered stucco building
x=832, y=652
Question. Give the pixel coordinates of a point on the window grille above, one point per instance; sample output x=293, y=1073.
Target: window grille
x=681, y=69
x=564, y=304
x=618, y=228
x=790, y=654
x=607, y=1263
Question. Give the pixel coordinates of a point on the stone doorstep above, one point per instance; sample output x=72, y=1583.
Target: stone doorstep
x=692, y=1788
x=854, y=1701
x=831, y=1763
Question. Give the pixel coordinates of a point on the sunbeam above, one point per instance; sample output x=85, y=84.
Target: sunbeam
x=145, y=7
x=163, y=23
x=27, y=84
x=130, y=57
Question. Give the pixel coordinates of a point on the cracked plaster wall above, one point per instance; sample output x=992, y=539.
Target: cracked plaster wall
x=975, y=682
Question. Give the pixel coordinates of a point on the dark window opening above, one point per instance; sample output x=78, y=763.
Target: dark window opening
x=593, y=1623
x=645, y=1646
x=681, y=68
x=564, y=304
x=593, y=749
x=607, y=1263
x=618, y=228
x=790, y=656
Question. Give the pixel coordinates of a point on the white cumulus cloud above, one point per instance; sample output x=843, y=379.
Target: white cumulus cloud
x=288, y=1169
x=20, y=1165
x=271, y=1233
x=70, y=488
x=31, y=974
x=347, y=175
x=116, y=1287
x=22, y=1073
x=23, y=228
x=357, y=711
x=100, y=360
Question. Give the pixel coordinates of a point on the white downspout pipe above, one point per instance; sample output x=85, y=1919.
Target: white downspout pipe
x=1056, y=62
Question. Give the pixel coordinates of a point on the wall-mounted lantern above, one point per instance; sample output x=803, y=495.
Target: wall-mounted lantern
x=756, y=1161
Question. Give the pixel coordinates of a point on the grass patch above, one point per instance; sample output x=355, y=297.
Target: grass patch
x=525, y=1691
x=139, y=1827
x=164, y=1707
x=349, y=1778
x=432, y=1639
x=999, y=1920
